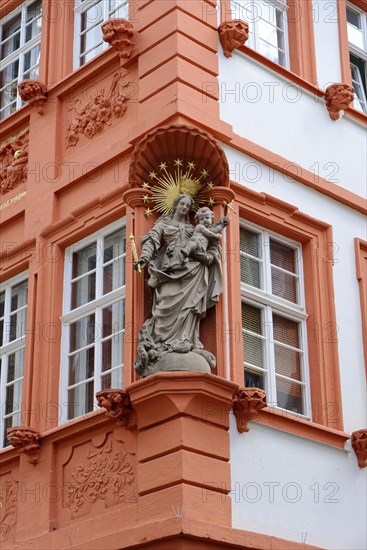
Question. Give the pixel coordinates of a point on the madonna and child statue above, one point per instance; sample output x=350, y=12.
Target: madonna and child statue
x=184, y=266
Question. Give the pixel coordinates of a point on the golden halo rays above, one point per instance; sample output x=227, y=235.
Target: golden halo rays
x=165, y=183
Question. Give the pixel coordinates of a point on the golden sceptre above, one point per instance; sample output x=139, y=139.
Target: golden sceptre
x=135, y=252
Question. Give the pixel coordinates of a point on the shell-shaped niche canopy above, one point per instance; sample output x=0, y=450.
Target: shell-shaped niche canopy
x=168, y=144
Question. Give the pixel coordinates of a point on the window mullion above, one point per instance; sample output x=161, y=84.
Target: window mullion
x=271, y=385
x=23, y=19
x=98, y=350
x=3, y=378
x=7, y=305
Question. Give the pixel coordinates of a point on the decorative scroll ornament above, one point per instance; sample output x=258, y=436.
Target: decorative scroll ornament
x=119, y=33
x=35, y=92
x=359, y=444
x=26, y=440
x=14, y=162
x=232, y=35
x=8, y=508
x=117, y=404
x=246, y=405
x=172, y=179
x=338, y=97
x=92, y=118
x=104, y=472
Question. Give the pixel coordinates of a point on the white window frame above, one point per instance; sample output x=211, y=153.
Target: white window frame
x=9, y=347
x=253, y=8
x=80, y=7
x=93, y=307
x=361, y=54
x=269, y=303
x=23, y=49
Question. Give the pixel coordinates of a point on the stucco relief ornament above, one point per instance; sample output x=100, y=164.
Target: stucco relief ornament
x=359, y=444
x=119, y=33
x=14, y=162
x=26, y=440
x=35, y=92
x=246, y=405
x=91, y=118
x=105, y=472
x=232, y=35
x=338, y=97
x=8, y=507
x=184, y=265
x=117, y=404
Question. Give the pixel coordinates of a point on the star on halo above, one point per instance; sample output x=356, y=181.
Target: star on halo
x=177, y=162
x=146, y=185
x=210, y=185
x=146, y=198
x=152, y=175
x=211, y=201
x=148, y=212
x=163, y=166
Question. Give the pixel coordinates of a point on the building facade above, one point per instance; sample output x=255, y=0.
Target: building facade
x=263, y=102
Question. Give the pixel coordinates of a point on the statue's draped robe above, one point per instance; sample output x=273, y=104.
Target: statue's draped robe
x=182, y=292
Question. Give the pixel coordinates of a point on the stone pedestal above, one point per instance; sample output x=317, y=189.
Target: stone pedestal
x=183, y=446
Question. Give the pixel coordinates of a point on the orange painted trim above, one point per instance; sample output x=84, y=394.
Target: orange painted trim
x=360, y=248
x=316, y=237
x=291, y=423
x=343, y=43
x=361, y=4
x=8, y=6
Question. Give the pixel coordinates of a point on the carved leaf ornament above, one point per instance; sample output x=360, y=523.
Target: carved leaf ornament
x=105, y=472
x=8, y=508
x=90, y=119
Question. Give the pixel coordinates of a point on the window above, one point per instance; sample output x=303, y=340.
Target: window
x=20, y=51
x=89, y=15
x=93, y=320
x=273, y=318
x=268, y=27
x=13, y=316
x=357, y=39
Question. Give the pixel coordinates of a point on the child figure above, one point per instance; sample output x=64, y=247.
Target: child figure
x=205, y=231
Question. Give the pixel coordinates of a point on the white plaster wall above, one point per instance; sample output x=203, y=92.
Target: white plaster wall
x=268, y=110
x=346, y=224
x=296, y=489
x=325, y=17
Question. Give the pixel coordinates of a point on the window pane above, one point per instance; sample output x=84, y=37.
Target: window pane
x=83, y=290
x=253, y=350
x=119, y=8
x=250, y=243
x=84, y=260
x=31, y=62
x=251, y=318
x=13, y=397
x=250, y=271
x=282, y=256
x=34, y=20
x=283, y=285
x=10, y=36
x=17, y=324
x=92, y=16
x=354, y=18
x=112, y=352
x=114, y=245
x=2, y=307
x=287, y=362
x=113, y=318
x=19, y=295
x=81, y=366
x=286, y=331
x=289, y=395
x=81, y=400
x=82, y=333
x=15, y=365
x=254, y=379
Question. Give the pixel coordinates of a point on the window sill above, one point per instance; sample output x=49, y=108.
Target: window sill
x=292, y=423
x=299, y=81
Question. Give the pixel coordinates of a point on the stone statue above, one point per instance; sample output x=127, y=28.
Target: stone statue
x=185, y=273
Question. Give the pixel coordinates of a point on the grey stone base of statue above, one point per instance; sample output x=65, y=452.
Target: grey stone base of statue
x=179, y=355
x=190, y=361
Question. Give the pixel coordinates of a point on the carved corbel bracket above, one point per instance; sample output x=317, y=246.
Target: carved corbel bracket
x=119, y=33
x=26, y=440
x=35, y=92
x=359, y=444
x=232, y=34
x=246, y=405
x=338, y=97
x=117, y=404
